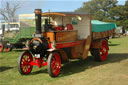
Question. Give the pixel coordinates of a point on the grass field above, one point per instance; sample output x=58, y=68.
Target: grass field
x=114, y=71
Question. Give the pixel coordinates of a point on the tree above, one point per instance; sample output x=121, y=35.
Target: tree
x=8, y=12
x=120, y=14
x=126, y=3
x=107, y=10
x=97, y=8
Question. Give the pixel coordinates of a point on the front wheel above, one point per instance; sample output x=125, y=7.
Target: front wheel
x=54, y=64
x=24, y=60
x=101, y=53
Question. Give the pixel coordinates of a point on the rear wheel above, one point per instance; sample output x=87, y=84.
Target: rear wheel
x=1, y=47
x=8, y=49
x=101, y=53
x=24, y=66
x=54, y=64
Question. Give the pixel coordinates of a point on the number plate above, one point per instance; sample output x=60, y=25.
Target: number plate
x=37, y=55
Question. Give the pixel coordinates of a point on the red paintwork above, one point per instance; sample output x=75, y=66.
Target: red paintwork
x=50, y=45
x=69, y=27
x=69, y=44
x=104, y=50
x=7, y=49
x=59, y=28
x=26, y=59
x=39, y=62
x=1, y=47
x=56, y=64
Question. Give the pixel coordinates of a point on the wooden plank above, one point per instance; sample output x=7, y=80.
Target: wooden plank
x=86, y=47
x=99, y=35
x=61, y=36
x=49, y=35
x=95, y=44
x=77, y=51
x=66, y=36
x=63, y=55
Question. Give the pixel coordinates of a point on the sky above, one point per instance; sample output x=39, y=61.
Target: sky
x=28, y=6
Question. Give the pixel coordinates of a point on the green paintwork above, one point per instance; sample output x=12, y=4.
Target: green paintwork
x=99, y=26
x=23, y=34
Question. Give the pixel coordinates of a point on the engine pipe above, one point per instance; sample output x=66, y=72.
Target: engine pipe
x=38, y=13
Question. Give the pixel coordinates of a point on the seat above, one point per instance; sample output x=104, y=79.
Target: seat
x=59, y=28
x=69, y=27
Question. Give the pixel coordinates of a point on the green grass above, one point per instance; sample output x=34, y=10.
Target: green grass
x=114, y=71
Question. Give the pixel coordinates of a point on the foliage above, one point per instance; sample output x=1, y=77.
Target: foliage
x=97, y=8
x=107, y=10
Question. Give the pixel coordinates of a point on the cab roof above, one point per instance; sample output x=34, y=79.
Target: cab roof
x=64, y=14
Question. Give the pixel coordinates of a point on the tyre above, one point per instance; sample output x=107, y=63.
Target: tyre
x=92, y=52
x=24, y=60
x=54, y=64
x=101, y=53
x=1, y=47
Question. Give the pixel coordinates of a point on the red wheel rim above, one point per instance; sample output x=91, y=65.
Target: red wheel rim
x=1, y=47
x=104, y=50
x=7, y=49
x=56, y=64
x=25, y=63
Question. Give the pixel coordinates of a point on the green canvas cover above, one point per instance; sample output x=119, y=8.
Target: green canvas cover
x=99, y=26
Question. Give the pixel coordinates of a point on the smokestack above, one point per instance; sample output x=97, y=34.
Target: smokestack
x=38, y=13
x=3, y=28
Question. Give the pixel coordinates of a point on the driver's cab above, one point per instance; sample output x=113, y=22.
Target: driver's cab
x=67, y=26
x=10, y=29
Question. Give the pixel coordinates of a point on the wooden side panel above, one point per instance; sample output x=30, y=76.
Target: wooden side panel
x=86, y=48
x=77, y=51
x=61, y=36
x=99, y=35
x=66, y=36
x=49, y=35
x=95, y=44
x=63, y=55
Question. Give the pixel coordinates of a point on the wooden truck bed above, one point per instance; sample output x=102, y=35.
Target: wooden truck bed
x=102, y=29
x=101, y=35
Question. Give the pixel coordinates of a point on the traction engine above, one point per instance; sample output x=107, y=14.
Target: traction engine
x=43, y=51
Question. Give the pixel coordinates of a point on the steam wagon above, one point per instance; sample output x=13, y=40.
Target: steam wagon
x=65, y=36
x=17, y=34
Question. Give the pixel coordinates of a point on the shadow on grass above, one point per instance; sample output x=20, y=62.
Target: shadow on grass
x=77, y=66
x=114, y=44
x=40, y=71
x=19, y=50
x=81, y=65
x=4, y=68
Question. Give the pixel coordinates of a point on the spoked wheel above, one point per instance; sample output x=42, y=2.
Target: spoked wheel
x=101, y=53
x=54, y=64
x=24, y=66
x=1, y=47
x=104, y=50
x=8, y=49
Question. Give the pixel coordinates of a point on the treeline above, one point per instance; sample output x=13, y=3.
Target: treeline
x=107, y=10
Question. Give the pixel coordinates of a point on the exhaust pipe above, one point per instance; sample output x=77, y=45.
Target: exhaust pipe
x=38, y=13
x=3, y=28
